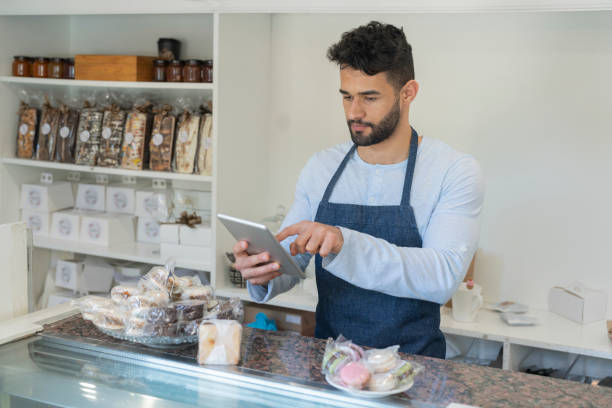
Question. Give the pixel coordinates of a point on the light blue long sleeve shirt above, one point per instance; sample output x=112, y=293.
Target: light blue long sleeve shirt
x=447, y=196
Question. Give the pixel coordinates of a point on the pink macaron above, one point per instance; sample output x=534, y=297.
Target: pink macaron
x=354, y=375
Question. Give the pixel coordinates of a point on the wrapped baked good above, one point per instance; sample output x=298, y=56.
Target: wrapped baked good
x=162, y=139
x=26, y=131
x=156, y=314
x=339, y=353
x=121, y=293
x=111, y=318
x=155, y=279
x=186, y=142
x=229, y=309
x=113, y=123
x=150, y=298
x=197, y=292
x=89, y=305
x=382, y=360
x=219, y=342
x=66, y=136
x=47, y=132
x=205, y=147
x=190, y=309
x=88, y=135
x=134, y=150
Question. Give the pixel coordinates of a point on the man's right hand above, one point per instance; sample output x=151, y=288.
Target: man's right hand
x=257, y=269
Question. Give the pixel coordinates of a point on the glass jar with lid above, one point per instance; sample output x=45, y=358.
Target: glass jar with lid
x=40, y=68
x=159, y=70
x=56, y=68
x=174, y=72
x=22, y=66
x=207, y=71
x=69, y=68
x=192, y=71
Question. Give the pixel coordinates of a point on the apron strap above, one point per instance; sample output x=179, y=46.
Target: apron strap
x=332, y=183
x=412, y=155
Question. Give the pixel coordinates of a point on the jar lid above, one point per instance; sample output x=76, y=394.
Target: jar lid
x=208, y=62
x=160, y=61
x=57, y=59
x=20, y=57
x=193, y=62
x=176, y=62
x=42, y=59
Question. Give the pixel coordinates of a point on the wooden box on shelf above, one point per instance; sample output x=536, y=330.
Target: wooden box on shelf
x=610, y=329
x=113, y=67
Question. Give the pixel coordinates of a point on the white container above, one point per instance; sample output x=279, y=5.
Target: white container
x=578, y=303
x=107, y=229
x=69, y=275
x=91, y=197
x=186, y=252
x=66, y=224
x=121, y=199
x=47, y=197
x=59, y=297
x=97, y=275
x=169, y=233
x=39, y=222
x=153, y=203
x=192, y=199
x=131, y=269
x=148, y=230
x=198, y=236
x=467, y=303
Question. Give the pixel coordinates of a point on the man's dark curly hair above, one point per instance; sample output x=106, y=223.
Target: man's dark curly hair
x=375, y=48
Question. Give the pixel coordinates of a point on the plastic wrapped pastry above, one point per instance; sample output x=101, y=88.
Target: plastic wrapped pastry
x=162, y=139
x=382, y=360
x=26, y=131
x=47, y=132
x=155, y=279
x=197, y=292
x=88, y=136
x=151, y=298
x=219, y=342
x=186, y=143
x=89, y=305
x=111, y=318
x=66, y=135
x=113, y=123
x=121, y=293
x=205, y=148
x=134, y=151
x=230, y=309
x=339, y=353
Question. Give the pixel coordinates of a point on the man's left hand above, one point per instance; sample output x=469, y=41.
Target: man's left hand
x=313, y=237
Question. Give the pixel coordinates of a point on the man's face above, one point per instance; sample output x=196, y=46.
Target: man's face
x=371, y=106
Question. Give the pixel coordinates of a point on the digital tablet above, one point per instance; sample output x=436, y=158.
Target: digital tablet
x=260, y=240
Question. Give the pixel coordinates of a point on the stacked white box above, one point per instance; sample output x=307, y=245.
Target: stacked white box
x=148, y=230
x=199, y=235
x=186, y=253
x=47, y=197
x=69, y=275
x=66, y=224
x=39, y=222
x=153, y=203
x=169, y=233
x=121, y=199
x=91, y=197
x=107, y=229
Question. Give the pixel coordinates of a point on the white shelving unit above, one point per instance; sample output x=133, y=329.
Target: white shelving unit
x=50, y=82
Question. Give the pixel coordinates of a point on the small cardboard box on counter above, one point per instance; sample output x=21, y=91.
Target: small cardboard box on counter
x=47, y=197
x=148, y=230
x=61, y=296
x=69, y=274
x=578, y=303
x=39, y=222
x=300, y=321
x=121, y=199
x=97, y=275
x=107, y=229
x=186, y=252
x=91, y=197
x=153, y=203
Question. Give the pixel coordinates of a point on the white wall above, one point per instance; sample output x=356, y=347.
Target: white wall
x=527, y=94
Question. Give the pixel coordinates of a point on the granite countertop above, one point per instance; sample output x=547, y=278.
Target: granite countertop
x=441, y=382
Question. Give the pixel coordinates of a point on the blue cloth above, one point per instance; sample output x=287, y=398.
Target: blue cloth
x=446, y=197
x=263, y=322
x=368, y=317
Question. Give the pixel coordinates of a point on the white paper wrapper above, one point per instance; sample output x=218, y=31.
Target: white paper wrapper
x=219, y=342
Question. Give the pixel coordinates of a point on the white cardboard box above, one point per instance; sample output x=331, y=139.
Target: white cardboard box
x=107, y=229
x=148, y=230
x=192, y=199
x=186, y=252
x=61, y=296
x=91, y=197
x=69, y=274
x=39, y=222
x=47, y=197
x=97, y=275
x=153, y=203
x=198, y=236
x=578, y=303
x=121, y=199
x=169, y=233
x=66, y=224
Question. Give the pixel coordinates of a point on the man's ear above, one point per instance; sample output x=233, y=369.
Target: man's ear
x=409, y=91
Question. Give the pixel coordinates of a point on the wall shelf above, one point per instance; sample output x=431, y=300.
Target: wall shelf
x=44, y=82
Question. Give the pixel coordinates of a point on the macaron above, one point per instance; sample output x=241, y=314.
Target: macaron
x=381, y=361
x=354, y=375
x=382, y=382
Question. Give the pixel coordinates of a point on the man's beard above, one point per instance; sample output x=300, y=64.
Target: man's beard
x=379, y=132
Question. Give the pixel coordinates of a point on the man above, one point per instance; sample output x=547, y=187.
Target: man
x=392, y=218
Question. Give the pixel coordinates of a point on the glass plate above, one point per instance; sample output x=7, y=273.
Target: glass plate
x=152, y=341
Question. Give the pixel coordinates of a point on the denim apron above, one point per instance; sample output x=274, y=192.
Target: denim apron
x=367, y=317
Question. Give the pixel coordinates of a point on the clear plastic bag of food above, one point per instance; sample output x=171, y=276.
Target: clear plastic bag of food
x=219, y=342
x=225, y=309
x=134, y=150
x=338, y=353
x=121, y=293
x=149, y=298
x=88, y=134
x=205, y=146
x=162, y=139
x=67, y=130
x=88, y=305
x=113, y=123
x=47, y=131
x=27, y=126
x=155, y=279
x=186, y=143
x=156, y=314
